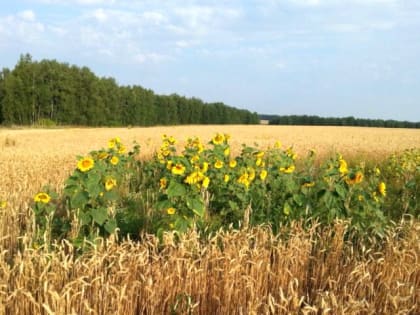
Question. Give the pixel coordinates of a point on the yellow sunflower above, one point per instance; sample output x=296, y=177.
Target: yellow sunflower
x=232, y=163
x=42, y=197
x=110, y=183
x=178, y=169
x=287, y=170
x=343, y=167
x=263, y=175
x=356, y=178
x=308, y=184
x=85, y=164
x=382, y=188
x=219, y=138
x=171, y=211
x=226, y=178
x=206, y=182
x=163, y=182
x=114, y=160
x=218, y=164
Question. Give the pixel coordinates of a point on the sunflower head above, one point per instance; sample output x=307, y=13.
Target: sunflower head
x=219, y=138
x=382, y=189
x=263, y=175
x=171, y=211
x=85, y=164
x=114, y=160
x=110, y=183
x=42, y=197
x=178, y=169
x=218, y=164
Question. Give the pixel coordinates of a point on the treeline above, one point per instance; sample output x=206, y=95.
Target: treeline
x=306, y=120
x=48, y=90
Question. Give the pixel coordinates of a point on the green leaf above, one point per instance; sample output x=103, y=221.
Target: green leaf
x=341, y=191
x=70, y=190
x=110, y=226
x=176, y=189
x=84, y=218
x=182, y=224
x=111, y=195
x=163, y=205
x=196, y=205
x=99, y=215
x=233, y=205
x=286, y=208
x=298, y=199
x=79, y=199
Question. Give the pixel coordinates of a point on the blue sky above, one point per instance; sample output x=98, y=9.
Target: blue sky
x=318, y=57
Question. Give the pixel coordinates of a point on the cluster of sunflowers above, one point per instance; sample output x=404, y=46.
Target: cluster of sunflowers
x=201, y=183
x=205, y=185
x=92, y=192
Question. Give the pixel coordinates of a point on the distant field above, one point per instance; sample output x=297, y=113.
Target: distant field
x=33, y=157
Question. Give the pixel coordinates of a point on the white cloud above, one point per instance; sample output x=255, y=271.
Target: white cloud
x=27, y=15
x=22, y=26
x=78, y=2
x=100, y=15
x=185, y=43
x=310, y=3
x=149, y=57
x=154, y=17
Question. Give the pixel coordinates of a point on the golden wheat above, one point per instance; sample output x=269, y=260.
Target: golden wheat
x=236, y=272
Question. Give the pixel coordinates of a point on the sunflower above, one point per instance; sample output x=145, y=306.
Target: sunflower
x=308, y=184
x=226, y=152
x=232, y=163
x=42, y=197
x=113, y=142
x=244, y=180
x=3, y=204
x=178, y=169
x=171, y=140
x=218, y=164
x=226, y=178
x=382, y=188
x=114, y=160
x=205, y=167
x=85, y=164
x=287, y=170
x=206, y=182
x=171, y=211
x=342, y=167
x=102, y=155
x=163, y=182
x=122, y=149
x=356, y=178
x=219, y=138
x=194, y=178
x=263, y=175
x=110, y=183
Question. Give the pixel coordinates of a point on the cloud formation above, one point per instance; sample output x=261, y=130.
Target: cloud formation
x=281, y=46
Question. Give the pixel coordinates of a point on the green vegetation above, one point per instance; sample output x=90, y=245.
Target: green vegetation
x=205, y=187
x=49, y=93
x=305, y=120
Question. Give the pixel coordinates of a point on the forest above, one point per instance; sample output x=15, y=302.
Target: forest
x=49, y=92
x=307, y=120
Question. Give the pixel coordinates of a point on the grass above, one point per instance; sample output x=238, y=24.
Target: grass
x=250, y=271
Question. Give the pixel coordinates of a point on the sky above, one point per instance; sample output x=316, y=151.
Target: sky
x=335, y=58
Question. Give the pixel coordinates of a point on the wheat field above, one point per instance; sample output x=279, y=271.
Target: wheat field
x=254, y=272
